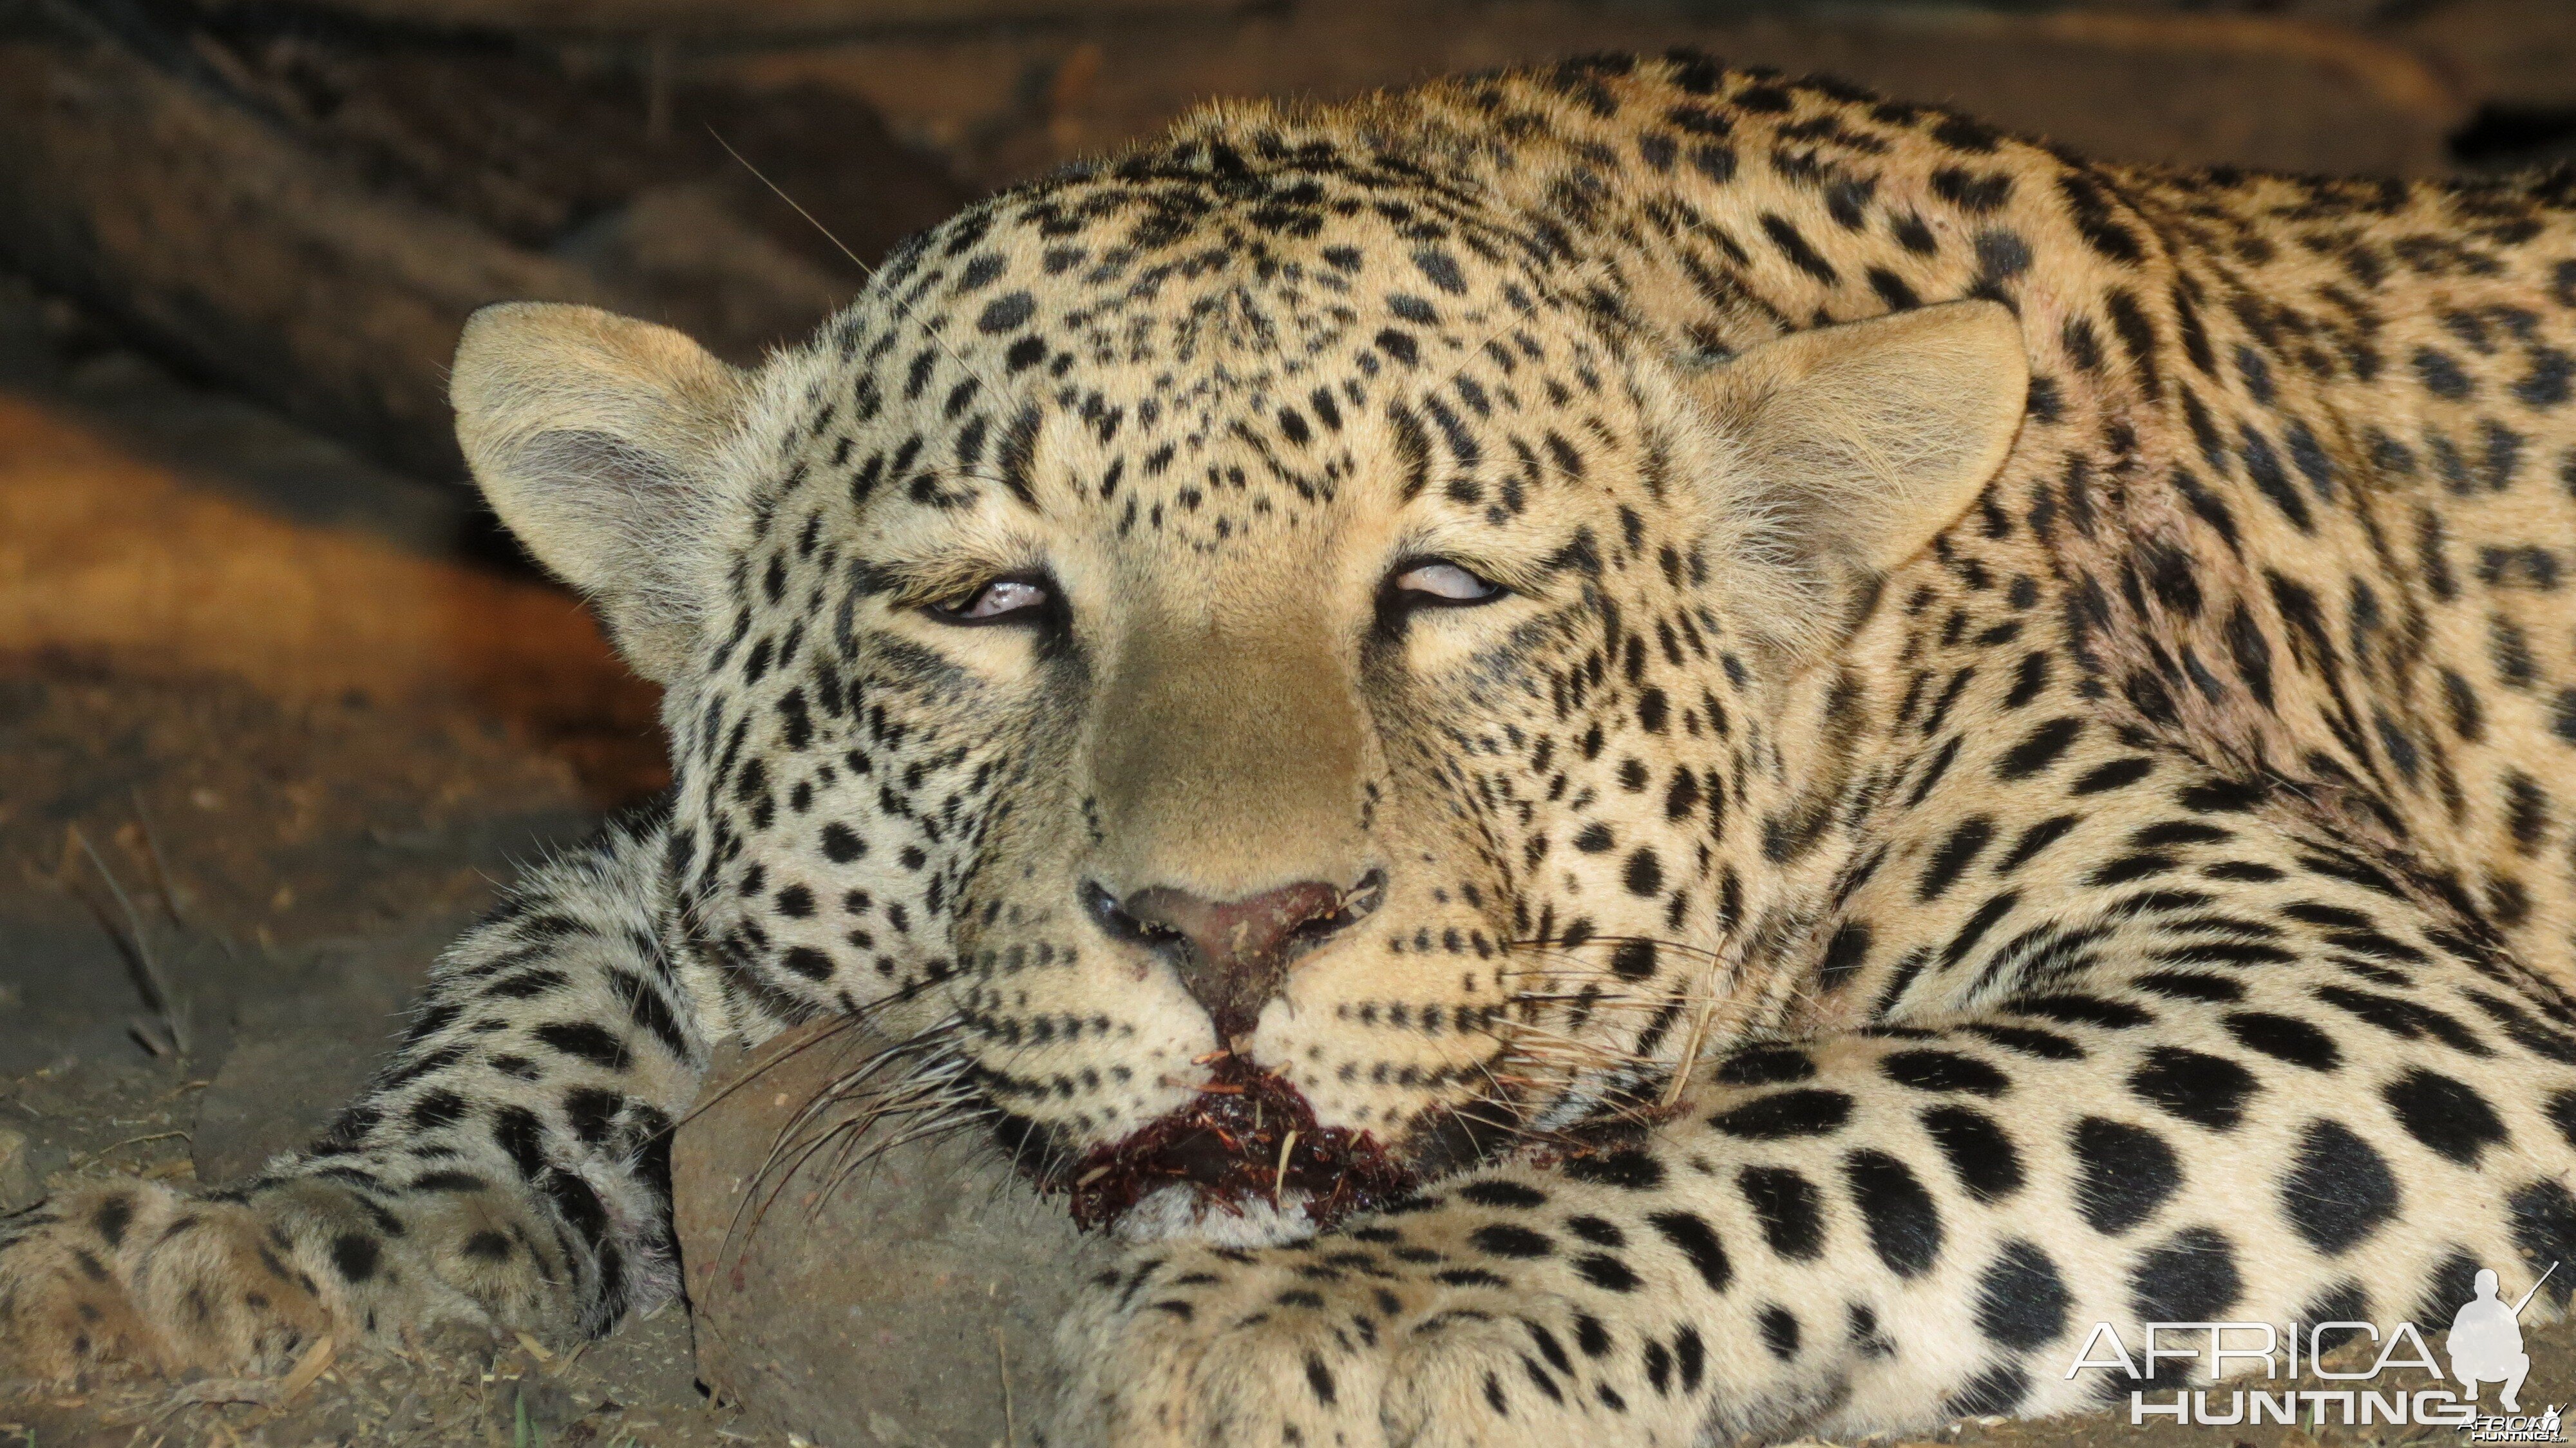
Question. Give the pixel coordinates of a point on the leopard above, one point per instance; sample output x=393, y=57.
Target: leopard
x=1813, y=746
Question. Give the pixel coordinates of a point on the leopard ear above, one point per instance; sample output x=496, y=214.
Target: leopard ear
x=600, y=441
x=1843, y=450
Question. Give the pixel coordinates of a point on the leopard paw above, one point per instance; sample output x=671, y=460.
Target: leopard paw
x=1181, y=1351
x=1337, y=1345
x=137, y=1276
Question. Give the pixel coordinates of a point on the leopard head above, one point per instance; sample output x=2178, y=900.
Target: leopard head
x=1300, y=691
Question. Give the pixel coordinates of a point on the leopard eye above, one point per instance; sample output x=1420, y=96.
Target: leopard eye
x=1001, y=600
x=1440, y=583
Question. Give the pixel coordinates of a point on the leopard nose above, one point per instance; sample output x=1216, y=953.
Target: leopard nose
x=1233, y=955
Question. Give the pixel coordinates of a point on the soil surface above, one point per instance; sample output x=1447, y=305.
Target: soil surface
x=269, y=737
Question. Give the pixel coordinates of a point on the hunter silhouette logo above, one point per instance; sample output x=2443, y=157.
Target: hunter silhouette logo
x=2484, y=1346
x=2486, y=1341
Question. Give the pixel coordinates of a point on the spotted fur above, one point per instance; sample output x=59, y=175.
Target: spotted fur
x=1808, y=992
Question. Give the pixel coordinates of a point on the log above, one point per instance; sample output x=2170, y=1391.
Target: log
x=2194, y=89
x=309, y=215
x=768, y=19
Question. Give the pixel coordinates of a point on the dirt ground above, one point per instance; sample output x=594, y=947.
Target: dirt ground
x=270, y=733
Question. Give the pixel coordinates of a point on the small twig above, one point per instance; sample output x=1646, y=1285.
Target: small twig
x=156, y=986
x=210, y=1391
x=315, y=1361
x=160, y=864
x=937, y=337
x=1010, y=1419
x=137, y=1141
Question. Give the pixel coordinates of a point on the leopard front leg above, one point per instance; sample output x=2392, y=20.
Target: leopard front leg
x=506, y=1169
x=1881, y=1231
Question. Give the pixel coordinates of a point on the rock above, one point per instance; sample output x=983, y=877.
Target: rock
x=20, y=1182
x=854, y=1288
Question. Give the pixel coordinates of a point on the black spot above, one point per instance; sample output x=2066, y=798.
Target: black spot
x=1779, y=1331
x=2041, y=748
x=1970, y=191
x=2200, y=1088
x=448, y=1181
x=1644, y=875
x=1965, y=134
x=2285, y=1038
x=2339, y=1188
x=2123, y=1174
x=1502, y=1194
x=2453, y=1281
x=1319, y=1379
x=1996, y=1391
x=2035, y=839
x=1007, y=312
x=1785, y=1114
x=2021, y=1299
x=1844, y=954
x=586, y=1041
x=521, y=1137
x=1904, y=1226
x=1502, y=1239
x=1441, y=269
x=112, y=1218
x=1695, y=1240
x=2129, y=870
x=1954, y=856
x=2114, y=774
x=1605, y=1272
x=1928, y=1070
x=1634, y=960
x=1795, y=248
x=1766, y=1066
x=2544, y=1227
x=2440, y=373
x=2191, y=1277
x=1981, y=1155
x=806, y=961
x=2547, y=384
x=1630, y=1170
x=2445, y=1114
x=2184, y=985
x=354, y=1256
x=2405, y=1019
x=1788, y=1207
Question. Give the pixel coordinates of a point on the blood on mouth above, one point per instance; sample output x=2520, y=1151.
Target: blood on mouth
x=1248, y=1136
